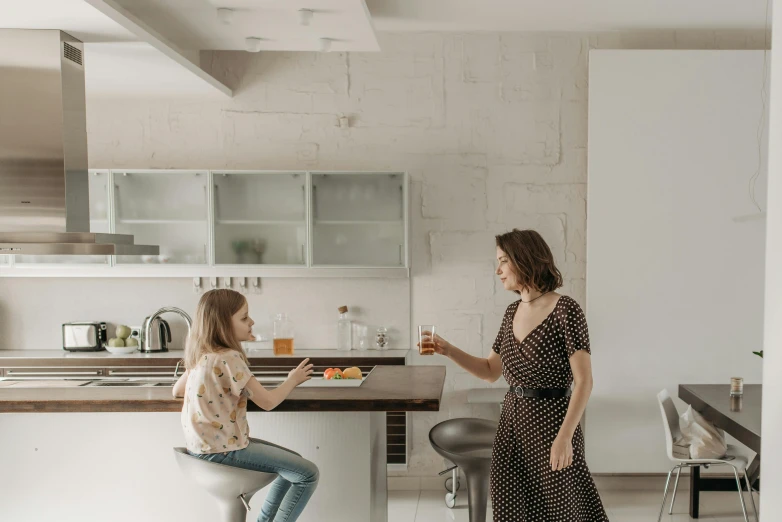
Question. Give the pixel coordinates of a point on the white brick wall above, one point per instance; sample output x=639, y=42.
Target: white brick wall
x=491, y=127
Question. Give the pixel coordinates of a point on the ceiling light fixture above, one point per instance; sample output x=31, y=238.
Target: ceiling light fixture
x=325, y=44
x=253, y=45
x=225, y=15
x=305, y=16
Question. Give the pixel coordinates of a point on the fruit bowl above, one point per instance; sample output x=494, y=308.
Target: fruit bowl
x=121, y=350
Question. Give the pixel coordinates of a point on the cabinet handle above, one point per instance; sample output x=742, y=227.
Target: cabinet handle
x=44, y=373
x=116, y=204
x=140, y=373
x=400, y=255
x=302, y=254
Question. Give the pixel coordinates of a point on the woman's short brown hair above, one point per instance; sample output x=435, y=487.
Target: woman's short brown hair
x=531, y=260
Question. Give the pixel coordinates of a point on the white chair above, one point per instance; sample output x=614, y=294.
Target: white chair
x=672, y=433
x=232, y=487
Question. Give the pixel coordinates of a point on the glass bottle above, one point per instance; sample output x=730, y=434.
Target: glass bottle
x=283, y=335
x=381, y=338
x=344, y=330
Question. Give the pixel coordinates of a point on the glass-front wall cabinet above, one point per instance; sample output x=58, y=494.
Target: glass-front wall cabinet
x=358, y=219
x=218, y=222
x=165, y=208
x=99, y=222
x=260, y=218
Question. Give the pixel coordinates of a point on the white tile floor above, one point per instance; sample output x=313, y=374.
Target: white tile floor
x=622, y=506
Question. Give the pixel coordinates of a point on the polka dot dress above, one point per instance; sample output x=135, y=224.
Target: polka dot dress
x=523, y=487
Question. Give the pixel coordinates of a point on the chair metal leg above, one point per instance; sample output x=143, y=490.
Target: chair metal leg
x=665, y=494
x=675, y=488
x=741, y=494
x=751, y=497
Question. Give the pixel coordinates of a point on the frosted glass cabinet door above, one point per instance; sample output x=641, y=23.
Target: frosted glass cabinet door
x=260, y=218
x=99, y=222
x=358, y=219
x=165, y=208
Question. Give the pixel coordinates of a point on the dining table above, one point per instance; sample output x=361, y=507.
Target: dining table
x=739, y=416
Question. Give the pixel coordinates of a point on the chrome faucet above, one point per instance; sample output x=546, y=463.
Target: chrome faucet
x=146, y=329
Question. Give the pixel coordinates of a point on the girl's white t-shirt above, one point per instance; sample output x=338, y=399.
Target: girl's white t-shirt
x=214, y=414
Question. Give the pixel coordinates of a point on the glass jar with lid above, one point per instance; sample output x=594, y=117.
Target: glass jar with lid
x=283, y=335
x=381, y=338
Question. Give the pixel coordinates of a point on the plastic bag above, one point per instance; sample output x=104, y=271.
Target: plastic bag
x=706, y=441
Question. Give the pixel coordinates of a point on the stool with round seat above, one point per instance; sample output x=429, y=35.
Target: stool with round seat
x=468, y=444
x=232, y=487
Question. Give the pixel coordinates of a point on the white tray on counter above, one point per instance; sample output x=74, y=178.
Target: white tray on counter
x=320, y=382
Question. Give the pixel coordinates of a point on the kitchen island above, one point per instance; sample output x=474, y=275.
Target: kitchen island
x=92, y=453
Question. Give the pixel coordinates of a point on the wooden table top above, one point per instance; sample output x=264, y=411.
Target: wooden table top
x=62, y=358
x=388, y=388
x=739, y=417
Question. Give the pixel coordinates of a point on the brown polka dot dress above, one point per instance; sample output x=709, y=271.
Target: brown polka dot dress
x=523, y=487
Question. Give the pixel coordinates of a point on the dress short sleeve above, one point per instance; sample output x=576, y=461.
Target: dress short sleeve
x=236, y=372
x=574, y=327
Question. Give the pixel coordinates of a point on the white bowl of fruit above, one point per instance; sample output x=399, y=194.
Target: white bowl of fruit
x=123, y=343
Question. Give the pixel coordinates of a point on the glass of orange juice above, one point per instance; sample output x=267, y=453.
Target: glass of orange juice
x=426, y=333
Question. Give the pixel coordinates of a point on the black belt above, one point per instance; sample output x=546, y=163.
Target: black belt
x=548, y=393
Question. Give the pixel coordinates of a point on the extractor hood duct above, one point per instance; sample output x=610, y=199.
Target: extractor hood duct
x=44, y=189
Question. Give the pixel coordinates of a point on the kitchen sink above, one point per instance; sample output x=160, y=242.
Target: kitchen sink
x=109, y=382
x=135, y=383
x=119, y=384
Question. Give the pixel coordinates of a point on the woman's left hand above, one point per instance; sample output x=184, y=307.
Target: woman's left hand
x=561, y=453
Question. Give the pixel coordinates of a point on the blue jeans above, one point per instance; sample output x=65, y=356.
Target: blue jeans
x=290, y=491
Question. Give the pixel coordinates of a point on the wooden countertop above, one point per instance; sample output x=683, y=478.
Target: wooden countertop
x=61, y=358
x=389, y=388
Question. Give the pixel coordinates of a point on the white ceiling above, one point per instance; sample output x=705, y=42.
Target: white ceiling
x=193, y=24
x=133, y=70
x=566, y=15
x=84, y=22
x=118, y=67
x=75, y=17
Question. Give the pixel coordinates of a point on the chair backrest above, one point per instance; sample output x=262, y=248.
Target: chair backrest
x=670, y=421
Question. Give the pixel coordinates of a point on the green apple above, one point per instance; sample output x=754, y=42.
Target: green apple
x=116, y=342
x=123, y=332
x=131, y=341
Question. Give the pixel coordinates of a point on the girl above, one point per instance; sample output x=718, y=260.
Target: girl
x=538, y=471
x=216, y=386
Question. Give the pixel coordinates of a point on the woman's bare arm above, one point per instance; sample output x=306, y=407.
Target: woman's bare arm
x=489, y=369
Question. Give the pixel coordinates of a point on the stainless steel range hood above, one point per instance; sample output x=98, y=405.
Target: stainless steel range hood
x=44, y=189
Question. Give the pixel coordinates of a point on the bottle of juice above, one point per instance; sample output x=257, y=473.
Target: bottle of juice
x=283, y=335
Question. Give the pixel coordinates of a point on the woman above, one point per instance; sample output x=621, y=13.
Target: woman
x=538, y=471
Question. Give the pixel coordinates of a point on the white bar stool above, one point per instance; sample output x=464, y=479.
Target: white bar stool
x=232, y=487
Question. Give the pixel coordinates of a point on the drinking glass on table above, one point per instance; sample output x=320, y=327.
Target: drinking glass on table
x=426, y=333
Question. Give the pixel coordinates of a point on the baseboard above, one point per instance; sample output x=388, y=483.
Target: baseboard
x=604, y=482
x=404, y=483
x=419, y=483
x=634, y=482
x=655, y=481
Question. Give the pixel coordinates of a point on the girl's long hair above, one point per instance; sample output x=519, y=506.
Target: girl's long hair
x=213, y=329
